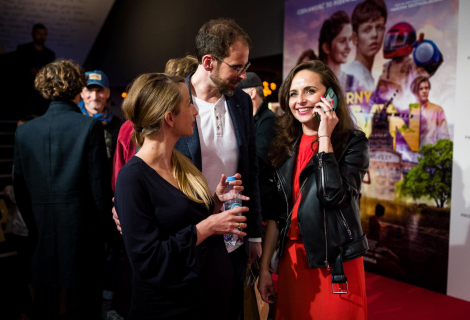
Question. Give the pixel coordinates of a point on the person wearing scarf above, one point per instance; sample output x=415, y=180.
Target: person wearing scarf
x=95, y=100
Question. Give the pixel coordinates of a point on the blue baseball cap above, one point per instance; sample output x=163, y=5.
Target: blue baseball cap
x=97, y=78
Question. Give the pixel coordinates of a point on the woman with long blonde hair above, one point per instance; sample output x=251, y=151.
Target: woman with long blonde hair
x=170, y=223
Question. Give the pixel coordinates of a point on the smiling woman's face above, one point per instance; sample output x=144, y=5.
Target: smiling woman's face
x=306, y=89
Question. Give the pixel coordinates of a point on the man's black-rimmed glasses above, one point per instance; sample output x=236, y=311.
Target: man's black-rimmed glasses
x=238, y=69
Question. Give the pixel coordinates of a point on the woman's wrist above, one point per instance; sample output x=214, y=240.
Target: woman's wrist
x=217, y=203
x=263, y=268
x=203, y=230
x=325, y=144
x=264, y=263
x=216, y=199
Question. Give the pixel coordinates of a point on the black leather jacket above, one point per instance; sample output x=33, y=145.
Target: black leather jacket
x=328, y=213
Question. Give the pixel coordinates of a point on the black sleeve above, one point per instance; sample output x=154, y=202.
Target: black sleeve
x=337, y=182
x=254, y=228
x=22, y=195
x=279, y=201
x=99, y=178
x=157, y=260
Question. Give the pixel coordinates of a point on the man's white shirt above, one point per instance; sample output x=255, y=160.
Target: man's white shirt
x=219, y=145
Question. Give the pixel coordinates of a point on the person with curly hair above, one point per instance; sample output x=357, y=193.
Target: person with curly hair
x=61, y=180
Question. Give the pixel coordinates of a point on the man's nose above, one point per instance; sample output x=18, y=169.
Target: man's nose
x=93, y=95
x=374, y=32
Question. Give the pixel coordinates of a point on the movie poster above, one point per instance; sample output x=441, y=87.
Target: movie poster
x=396, y=63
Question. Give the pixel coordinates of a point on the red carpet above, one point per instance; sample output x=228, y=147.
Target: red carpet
x=391, y=299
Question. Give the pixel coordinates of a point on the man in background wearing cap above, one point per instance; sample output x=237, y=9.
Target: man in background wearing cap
x=95, y=97
x=264, y=126
x=94, y=104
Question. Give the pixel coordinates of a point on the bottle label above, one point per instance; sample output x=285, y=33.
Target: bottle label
x=235, y=205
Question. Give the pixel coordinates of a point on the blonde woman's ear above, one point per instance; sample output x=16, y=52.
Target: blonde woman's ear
x=169, y=119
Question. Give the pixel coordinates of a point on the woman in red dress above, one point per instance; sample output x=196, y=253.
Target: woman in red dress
x=320, y=159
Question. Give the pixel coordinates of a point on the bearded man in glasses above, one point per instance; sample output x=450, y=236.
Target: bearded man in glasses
x=224, y=137
x=223, y=140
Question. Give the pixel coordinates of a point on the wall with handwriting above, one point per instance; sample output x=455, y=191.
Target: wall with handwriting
x=73, y=25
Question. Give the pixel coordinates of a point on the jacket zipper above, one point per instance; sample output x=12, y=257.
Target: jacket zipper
x=322, y=173
x=346, y=225
x=287, y=207
x=327, y=265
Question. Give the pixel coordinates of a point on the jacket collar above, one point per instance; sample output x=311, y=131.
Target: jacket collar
x=63, y=105
x=286, y=171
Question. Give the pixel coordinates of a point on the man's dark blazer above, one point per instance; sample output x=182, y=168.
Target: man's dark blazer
x=62, y=188
x=241, y=112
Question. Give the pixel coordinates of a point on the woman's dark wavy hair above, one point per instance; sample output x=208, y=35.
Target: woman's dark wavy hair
x=289, y=129
x=330, y=29
x=60, y=80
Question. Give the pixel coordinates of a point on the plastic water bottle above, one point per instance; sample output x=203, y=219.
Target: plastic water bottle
x=233, y=202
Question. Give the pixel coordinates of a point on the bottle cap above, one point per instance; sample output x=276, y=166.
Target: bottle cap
x=231, y=179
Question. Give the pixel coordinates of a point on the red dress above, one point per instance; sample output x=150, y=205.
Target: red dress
x=305, y=293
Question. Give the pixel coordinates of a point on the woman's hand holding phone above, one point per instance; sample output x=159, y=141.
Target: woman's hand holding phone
x=325, y=110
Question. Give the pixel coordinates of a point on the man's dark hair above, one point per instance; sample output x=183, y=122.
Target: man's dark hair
x=368, y=10
x=39, y=26
x=379, y=210
x=330, y=29
x=416, y=82
x=217, y=36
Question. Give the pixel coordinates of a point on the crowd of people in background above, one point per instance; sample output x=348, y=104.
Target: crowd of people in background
x=205, y=118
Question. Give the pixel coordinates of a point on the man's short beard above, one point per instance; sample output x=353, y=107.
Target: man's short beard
x=101, y=106
x=223, y=88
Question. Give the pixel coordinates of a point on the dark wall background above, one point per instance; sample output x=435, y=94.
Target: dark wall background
x=140, y=36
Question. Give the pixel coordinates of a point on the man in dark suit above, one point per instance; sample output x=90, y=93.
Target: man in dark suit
x=61, y=179
x=224, y=138
x=31, y=57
